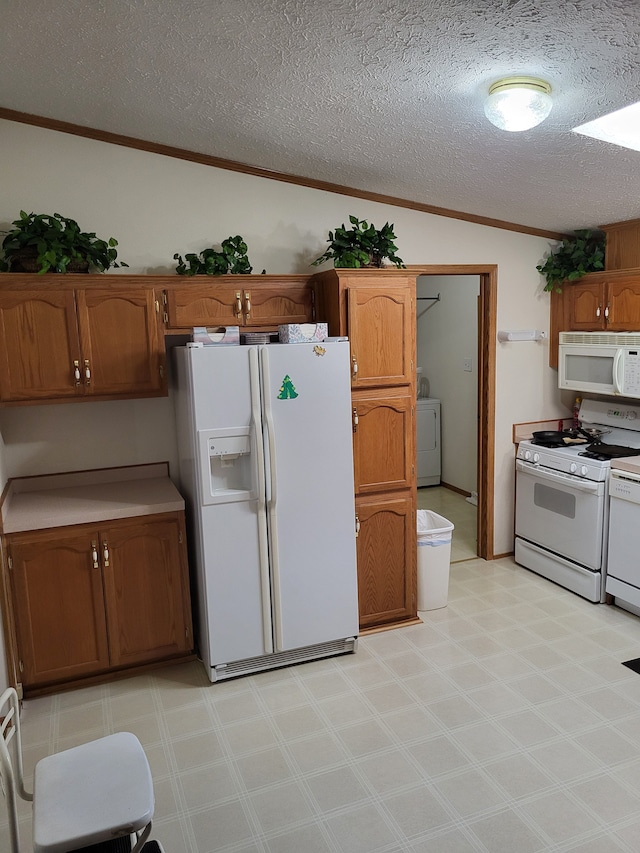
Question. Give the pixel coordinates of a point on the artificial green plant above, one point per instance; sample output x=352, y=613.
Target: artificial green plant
x=362, y=245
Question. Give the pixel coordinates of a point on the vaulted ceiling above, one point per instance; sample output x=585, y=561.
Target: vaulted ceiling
x=379, y=95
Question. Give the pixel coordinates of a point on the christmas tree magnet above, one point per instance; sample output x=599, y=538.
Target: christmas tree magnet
x=287, y=390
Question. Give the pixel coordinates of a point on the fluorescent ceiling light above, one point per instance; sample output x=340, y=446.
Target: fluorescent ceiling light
x=518, y=103
x=619, y=128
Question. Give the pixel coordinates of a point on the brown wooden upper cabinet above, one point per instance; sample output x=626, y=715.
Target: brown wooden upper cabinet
x=379, y=323
x=62, y=340
x=608, y=301
x=612, y=305
x=249, y=301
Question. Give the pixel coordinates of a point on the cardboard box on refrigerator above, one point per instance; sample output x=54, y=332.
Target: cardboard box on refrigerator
x=216, y=335
x=302, y=333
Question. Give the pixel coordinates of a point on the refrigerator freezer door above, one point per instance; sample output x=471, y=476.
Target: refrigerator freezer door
x=307, y=417
x=233, y=556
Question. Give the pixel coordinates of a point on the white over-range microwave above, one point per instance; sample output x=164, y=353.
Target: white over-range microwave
x=600, y=363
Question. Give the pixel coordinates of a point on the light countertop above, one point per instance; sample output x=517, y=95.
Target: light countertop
x=524, y=432
x=58, y=500
x=627, y=463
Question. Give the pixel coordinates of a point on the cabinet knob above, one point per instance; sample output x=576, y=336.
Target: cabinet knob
x=606, y=313
x=598, y=312
x=87, y=372
x=355, y=419
x=76, y=372
x=357, y=526
x=94, y=555
x=354, y=366
x=105, y=553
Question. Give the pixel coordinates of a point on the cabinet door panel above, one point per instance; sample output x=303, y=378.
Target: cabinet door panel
x=58, y=605
x=624, y=305
x=586, y=306
x=145, y=590
x=204, y=305
x=386, y=550
x=380, y=329
x=273, y=304
x=383, y=443
x=120, y=339
x=38, y=345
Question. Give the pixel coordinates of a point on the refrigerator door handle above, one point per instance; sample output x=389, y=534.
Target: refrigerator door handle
x=263, y=542
x=273, y=495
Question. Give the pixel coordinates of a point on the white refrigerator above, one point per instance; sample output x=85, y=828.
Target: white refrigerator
x=266, y=467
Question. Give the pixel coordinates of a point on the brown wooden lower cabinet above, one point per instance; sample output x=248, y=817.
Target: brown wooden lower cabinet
x=386, y=558
x=88, y=599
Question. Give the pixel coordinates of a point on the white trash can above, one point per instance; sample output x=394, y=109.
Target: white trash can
x=434, y=557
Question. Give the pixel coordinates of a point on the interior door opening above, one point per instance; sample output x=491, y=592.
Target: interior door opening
x=479, y=300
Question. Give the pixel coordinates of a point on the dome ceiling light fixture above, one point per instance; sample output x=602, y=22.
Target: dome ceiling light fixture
x=518, y=103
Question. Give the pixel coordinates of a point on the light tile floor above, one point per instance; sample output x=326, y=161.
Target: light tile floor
x=462, y=514
x=505, y=723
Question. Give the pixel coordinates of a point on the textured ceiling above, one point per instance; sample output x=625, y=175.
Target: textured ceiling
x=380, y=95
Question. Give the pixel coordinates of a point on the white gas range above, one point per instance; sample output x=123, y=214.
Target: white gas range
x=562, y=498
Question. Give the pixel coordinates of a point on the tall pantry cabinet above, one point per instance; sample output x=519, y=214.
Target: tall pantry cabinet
x=376, y=310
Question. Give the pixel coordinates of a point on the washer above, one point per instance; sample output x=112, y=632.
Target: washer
x=428, y=465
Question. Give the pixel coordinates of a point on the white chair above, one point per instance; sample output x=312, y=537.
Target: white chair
x=99, y=793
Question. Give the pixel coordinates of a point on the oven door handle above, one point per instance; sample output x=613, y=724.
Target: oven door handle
x=559, y=479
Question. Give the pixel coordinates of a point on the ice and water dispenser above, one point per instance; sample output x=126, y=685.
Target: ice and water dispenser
x=226, y=465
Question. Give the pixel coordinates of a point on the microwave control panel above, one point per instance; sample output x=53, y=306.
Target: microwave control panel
x=631, y=373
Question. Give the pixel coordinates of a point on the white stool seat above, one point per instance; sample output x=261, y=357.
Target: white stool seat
x=80, y=797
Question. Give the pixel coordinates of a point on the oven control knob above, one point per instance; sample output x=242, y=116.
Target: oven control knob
x=527, y=455
x=573, y=468
x=584, y=470
x=536, y=457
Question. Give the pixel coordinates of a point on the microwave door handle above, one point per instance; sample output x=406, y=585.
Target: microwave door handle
x=617, y=378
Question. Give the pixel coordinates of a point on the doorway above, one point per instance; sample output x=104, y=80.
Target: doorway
x=485, y=355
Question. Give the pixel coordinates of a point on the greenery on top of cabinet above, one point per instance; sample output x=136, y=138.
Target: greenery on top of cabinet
x=231, y=259
x=574, y=257
x=42, y=243
x=362, y=245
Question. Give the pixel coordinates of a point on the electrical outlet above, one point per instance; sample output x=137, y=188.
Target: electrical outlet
x=467, y=365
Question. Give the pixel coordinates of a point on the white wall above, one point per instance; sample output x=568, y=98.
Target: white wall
x=156, y=206
x=447, y=334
